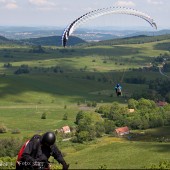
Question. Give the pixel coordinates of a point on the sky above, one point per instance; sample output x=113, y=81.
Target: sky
x=60, y=13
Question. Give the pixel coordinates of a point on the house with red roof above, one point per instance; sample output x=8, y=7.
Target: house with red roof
x=122, y=131
x=161, y=103
x=65, y=129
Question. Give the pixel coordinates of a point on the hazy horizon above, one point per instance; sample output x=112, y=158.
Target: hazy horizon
x=57, y=13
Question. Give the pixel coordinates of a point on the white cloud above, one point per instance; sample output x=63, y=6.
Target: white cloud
x=125, y=3
x=9, y=4
x=155, y=2
x=41, y=3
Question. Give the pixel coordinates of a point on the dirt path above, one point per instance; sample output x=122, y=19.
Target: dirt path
x=160, y=71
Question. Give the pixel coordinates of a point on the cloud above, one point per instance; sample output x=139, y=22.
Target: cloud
x=9, y=4
x=125, y=3
x=155, y=2
x=41, y=3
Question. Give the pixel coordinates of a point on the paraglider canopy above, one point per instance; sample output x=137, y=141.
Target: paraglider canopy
x=104, y=11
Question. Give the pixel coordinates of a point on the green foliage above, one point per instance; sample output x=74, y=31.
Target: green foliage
x=161, y=86
x=44, y=115
x=23, y=69
x=104, y=109
x=145, y=104
x=79, y=116
x=102, y=166
x=8, y=65
x=92, y=104
x=3, y=128
x=90, y=126
x=163, y=46
x=136, y=80
x=83, y=136
x=65, y=116
x=37, y=49
x=132, y=103
x=161, y=165
x=7, y=162
x=109, y=126
x=10, y=146
x=147, y=115
x=15, y=131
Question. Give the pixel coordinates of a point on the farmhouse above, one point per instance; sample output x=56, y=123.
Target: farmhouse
x=131, y=110
x=65, y=129
x=122, y=131
x=161, y=103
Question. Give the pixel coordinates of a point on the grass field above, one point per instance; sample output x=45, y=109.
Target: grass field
x=117, y=154
x=85, y=74
x=43, y=90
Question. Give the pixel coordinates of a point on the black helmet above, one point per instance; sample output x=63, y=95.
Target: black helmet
x=48, y=138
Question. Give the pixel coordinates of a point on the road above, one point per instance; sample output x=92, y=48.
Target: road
x=162, y=72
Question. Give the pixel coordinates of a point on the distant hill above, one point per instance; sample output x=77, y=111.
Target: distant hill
x=56, y=40
x=4, y=40
x=44, y=41
x=147, y=33
x=52, y=41
x=133, y=40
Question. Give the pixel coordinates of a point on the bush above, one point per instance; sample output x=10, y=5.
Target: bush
x=3, y=129
x=23, y=69
x=7, y=163
x=65, y=116
x=10, y=147
x=92, y=104
x=44, y=116
x=16, y=131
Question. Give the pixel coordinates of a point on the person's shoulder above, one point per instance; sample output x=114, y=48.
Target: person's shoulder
x=35, y=137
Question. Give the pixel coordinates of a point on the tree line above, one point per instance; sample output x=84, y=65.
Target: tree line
x=106, y=118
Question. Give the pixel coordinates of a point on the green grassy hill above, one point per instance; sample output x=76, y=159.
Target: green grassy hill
x=135, y=40
x=113, y=153
x=52, y=41
x=60, y=80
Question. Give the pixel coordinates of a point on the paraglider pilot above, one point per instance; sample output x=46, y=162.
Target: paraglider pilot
x=35, y=153
x=118, y=90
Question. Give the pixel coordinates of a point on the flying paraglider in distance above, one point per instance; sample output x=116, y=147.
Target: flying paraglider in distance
x=100, y=12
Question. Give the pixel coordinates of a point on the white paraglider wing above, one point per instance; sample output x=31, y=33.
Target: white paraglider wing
x=100, y=12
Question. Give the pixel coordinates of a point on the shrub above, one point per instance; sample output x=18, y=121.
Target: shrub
x=3, y=129
x=65, y=116
x=44, y=116
x=16, y=131
x=10, y=146
x=7, y=163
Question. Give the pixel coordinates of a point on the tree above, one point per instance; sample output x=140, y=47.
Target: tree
x=91, y=123
x=23, y=69
x=65, y=116
x=109, y=126
x=132, y=103
x=37, y=49
x=79, y=116
x=100, y=129
x=145, y=104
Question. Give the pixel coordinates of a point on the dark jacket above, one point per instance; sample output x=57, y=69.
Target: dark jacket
x=35, y=152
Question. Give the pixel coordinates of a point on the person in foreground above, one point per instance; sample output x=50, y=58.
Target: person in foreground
x=35, y=153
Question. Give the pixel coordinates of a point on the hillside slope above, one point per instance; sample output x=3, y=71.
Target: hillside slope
x=134, y=40
x=52, y=41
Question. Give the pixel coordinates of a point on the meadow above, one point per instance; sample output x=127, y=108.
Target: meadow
x=63, y=81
